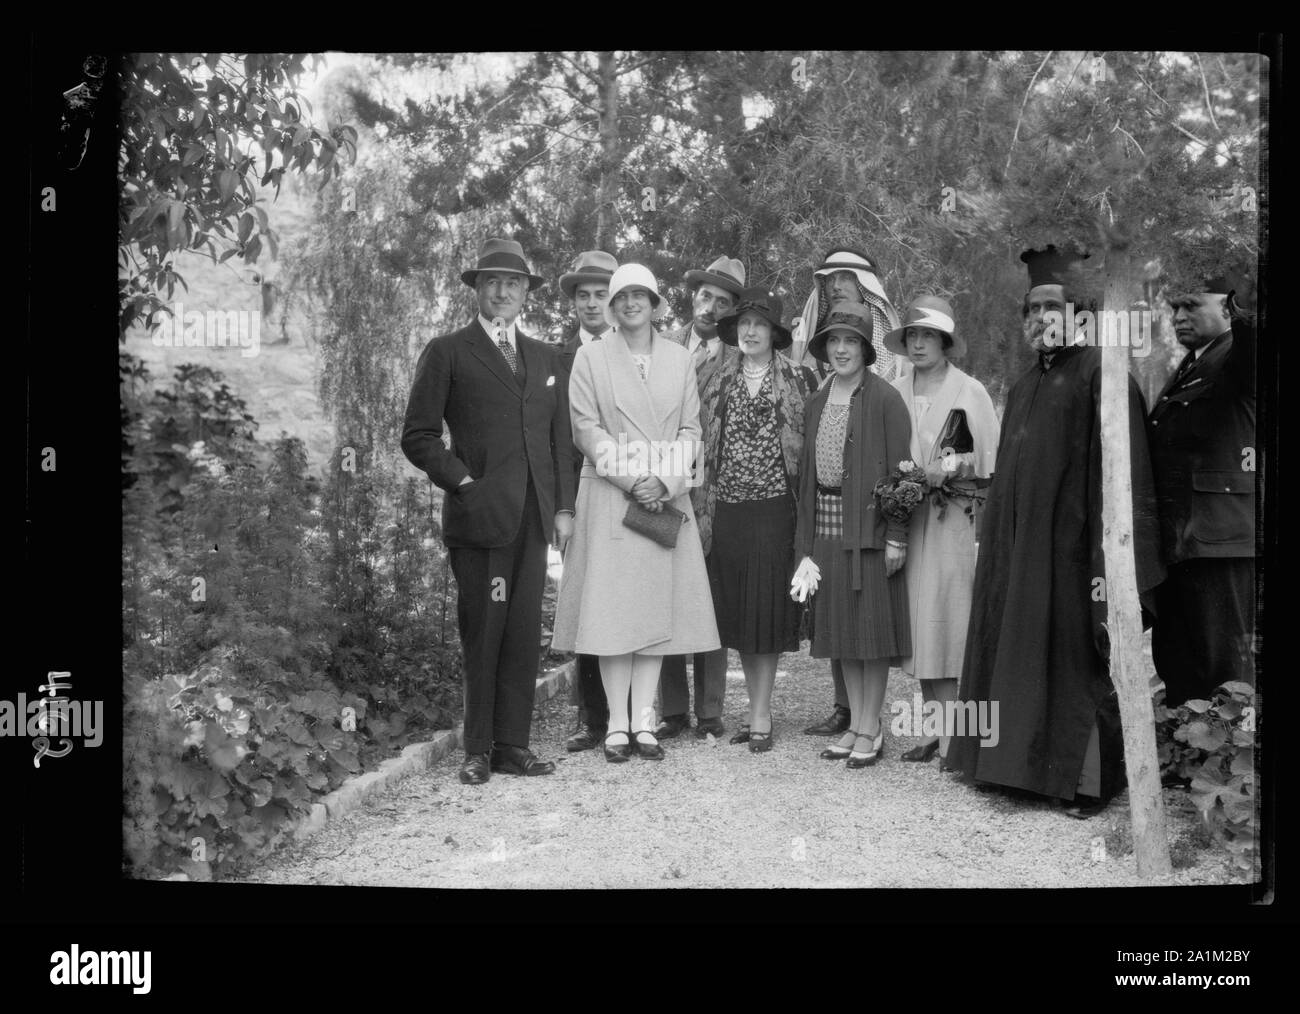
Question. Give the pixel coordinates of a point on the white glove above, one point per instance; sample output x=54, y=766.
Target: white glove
x=805, y=580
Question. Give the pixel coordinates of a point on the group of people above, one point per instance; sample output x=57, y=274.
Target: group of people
x=706, y=489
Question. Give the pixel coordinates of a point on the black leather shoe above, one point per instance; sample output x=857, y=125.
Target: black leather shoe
x=619, y=753
x=650, y=751
x=1082, y=807
x=475, y=769
x=516, y=760
x=672, y=726
x=922, y=753
x=741, y=737
x=760, y=742
x=832, y=725
x=587, y=738
x=865, y=760
x=705, y=726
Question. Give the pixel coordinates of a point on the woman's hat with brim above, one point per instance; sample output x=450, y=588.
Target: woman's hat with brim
x=726, y=273
x=848, y=316
x=768, y=306
x=591, y=266
x=926, y=311
x=638, y=276
x=501, y=257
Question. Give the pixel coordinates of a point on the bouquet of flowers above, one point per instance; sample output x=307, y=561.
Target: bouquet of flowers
x=899, y=492
x=943, y=494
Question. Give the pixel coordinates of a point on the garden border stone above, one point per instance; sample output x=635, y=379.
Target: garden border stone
x=354, y=792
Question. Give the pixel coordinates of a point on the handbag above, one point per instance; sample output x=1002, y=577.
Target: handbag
x=659, y=526
x=956, y=435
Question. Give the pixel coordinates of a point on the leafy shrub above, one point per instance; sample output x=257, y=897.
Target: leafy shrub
x=1212, y=744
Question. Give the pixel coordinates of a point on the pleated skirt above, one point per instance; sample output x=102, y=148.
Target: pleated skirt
x=867, y=624
x=750, y=566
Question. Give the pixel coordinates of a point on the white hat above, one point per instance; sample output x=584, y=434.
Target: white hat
x=638, y=276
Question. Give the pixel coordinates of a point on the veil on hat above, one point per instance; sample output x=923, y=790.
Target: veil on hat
x=884, y=318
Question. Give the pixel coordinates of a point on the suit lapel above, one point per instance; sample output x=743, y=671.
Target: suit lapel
x=485, y=350
x=536, y=369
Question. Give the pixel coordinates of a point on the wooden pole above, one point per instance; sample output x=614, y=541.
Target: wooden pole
x=1123, y=613
x=609, y=156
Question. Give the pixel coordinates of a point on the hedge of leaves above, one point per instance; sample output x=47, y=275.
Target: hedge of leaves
x=279, y=633
x=1212, y=745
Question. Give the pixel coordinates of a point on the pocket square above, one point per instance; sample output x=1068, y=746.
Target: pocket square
x=550, y=381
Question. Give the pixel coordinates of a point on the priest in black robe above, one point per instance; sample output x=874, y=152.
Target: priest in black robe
x=1037, y=646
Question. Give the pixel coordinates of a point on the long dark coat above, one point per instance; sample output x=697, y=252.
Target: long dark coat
x=1036, y=615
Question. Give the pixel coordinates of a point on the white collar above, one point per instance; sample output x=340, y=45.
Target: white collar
x=585, y=336
x=486, y=325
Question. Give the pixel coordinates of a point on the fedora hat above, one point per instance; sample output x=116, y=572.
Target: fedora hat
x=849, y=316
x=637, y=276
x=926, y=311
x=589, y=266
x=726, y=273
x=768, y=306
x=503, y=257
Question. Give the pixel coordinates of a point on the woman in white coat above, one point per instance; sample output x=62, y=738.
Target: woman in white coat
x=635, y=408
x=955, y=439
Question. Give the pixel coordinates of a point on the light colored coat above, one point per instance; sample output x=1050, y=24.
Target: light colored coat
x=620, y=592
x=941, y=555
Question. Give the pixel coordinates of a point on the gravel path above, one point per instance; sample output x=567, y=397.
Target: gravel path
x=715, y=815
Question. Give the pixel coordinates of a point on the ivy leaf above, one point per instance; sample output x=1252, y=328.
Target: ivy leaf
x=261, y=790
x=210, y=796
x=224, y=752
x=1206, y=737
x=346, y=759
x=1198, y=706
x=1243, y=763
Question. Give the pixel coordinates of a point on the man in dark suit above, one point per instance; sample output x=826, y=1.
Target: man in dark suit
x=507, y=479
x=587, y=287
x=714, y=292
x=1202, y=438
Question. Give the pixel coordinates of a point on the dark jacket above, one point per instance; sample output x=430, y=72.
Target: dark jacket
x=879, y=437
x=503, y=433
x=569, y=346
x=1202, y=438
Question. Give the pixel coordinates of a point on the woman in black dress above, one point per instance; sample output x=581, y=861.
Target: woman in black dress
x=752, y=411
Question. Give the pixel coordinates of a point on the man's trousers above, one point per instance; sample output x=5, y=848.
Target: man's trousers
x=499, y=609
x=1205, y=626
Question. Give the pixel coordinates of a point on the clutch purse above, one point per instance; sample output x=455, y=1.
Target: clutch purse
x=659, y=526
x=956, y=434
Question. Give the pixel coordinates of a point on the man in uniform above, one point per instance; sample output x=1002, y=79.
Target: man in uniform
x=1202, y=435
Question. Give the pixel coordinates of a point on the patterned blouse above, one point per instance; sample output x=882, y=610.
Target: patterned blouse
x=751, y=465
x=831, y=434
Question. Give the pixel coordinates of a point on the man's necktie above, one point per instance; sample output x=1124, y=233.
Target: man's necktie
x=1184, y=366
x=508, y=351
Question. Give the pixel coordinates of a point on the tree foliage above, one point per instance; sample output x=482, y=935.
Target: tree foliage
x=200, y=134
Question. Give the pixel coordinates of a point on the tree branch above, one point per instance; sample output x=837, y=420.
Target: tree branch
x=636, y=66
x=1028, y=91
x=579, y=68
x=1209, y=106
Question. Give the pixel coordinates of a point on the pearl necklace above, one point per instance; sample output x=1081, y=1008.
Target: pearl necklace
x=756, y=374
